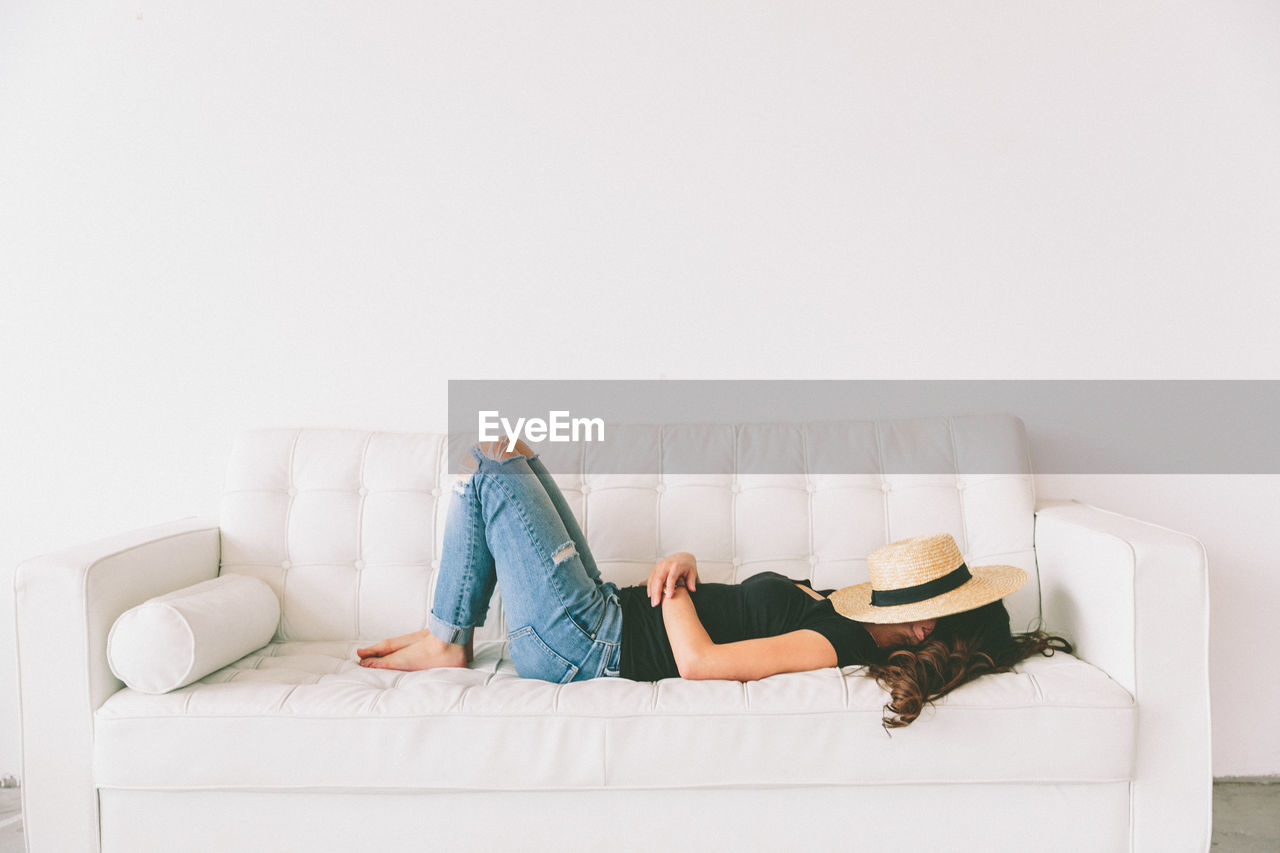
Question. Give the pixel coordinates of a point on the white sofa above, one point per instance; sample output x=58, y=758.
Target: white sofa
x=295, y=747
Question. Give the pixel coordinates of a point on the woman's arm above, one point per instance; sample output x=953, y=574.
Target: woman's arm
x=697, y=657
x=689, y=639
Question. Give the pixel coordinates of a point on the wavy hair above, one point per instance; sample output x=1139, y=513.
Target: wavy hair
x=960, y=648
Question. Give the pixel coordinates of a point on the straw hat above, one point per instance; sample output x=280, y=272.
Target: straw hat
x=923, y=577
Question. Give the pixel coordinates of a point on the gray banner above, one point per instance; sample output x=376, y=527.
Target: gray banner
x=878, y=426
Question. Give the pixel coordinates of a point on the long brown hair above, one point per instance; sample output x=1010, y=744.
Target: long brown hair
x=960, y=648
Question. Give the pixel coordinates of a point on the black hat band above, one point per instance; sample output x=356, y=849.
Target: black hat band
x=921, y=591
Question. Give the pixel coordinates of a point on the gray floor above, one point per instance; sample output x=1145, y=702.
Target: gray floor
x=1246, y=818
x=10, y=807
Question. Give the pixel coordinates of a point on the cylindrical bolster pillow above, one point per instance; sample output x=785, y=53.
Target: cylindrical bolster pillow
x=172, y=640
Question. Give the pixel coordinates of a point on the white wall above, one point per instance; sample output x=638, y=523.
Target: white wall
x=216, y=215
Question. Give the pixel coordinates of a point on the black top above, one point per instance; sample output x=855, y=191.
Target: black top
x=763, y=605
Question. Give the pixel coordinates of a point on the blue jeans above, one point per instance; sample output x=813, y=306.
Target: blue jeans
x=510, y=524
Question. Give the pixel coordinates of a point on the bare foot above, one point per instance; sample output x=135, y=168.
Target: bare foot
x=430, y=652
x=386, y=647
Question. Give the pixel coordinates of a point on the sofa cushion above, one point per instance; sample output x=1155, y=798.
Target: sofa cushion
x=174, y=639
x=305, y=715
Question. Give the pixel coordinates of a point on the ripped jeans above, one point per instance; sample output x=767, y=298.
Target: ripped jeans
x=509, y=523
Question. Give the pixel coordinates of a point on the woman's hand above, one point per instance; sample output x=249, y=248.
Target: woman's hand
x=679, y=569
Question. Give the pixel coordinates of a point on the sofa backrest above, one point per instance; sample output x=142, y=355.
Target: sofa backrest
x=346, y=525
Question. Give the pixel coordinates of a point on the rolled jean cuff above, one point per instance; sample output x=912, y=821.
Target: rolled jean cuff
x=447, y=631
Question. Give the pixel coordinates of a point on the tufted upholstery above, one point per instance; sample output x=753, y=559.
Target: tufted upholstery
x=346, y=525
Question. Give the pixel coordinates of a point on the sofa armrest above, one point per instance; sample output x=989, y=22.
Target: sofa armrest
x=65, y=603
x=1134, y=598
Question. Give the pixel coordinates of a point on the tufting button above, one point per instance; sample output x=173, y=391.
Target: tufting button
x=813, y=559
x=359, y=564
x=735, y=488
x=286, y=564
x=435, y=564
x=811, y=488
x=886, y=487
x=662, y=487
x=435, y=493
x=292, y=492
x=363, y=490
x=586, y=489
x=737, y=561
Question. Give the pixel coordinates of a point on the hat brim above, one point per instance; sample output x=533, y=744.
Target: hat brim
x=987, y=584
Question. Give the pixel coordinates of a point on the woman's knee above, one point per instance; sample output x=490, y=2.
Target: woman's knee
x=497, y=450
x=502, y=449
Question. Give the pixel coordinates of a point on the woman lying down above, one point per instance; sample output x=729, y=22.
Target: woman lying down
x=924, y=625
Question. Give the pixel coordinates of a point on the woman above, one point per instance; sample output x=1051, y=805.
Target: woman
x=923, y=626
